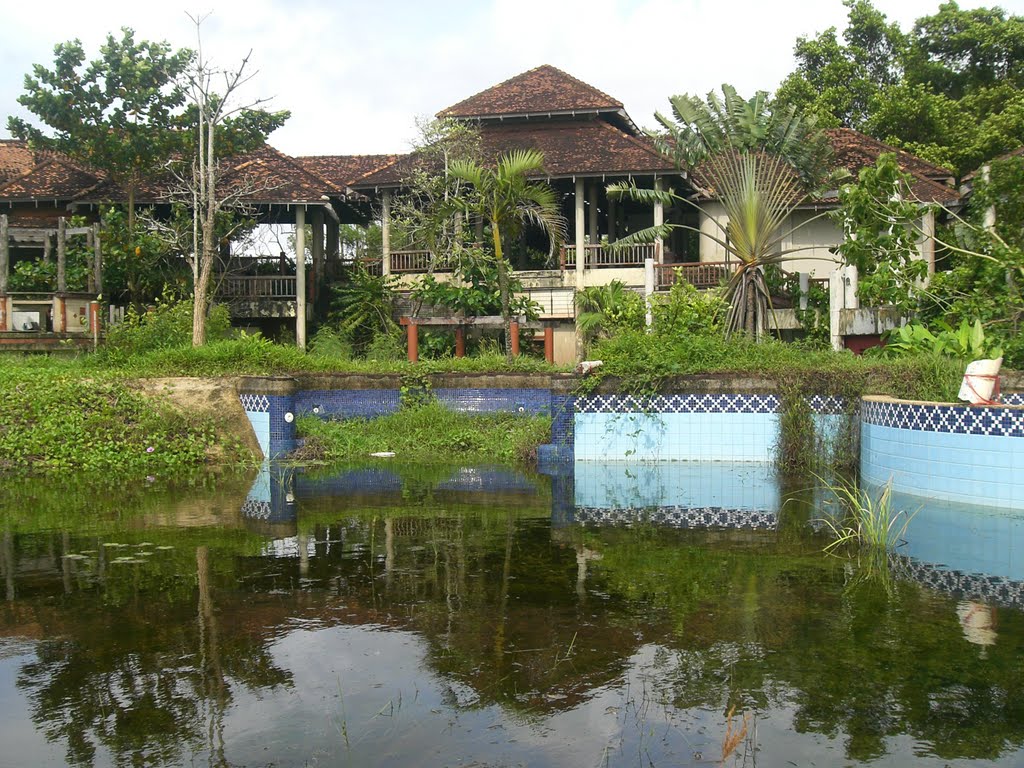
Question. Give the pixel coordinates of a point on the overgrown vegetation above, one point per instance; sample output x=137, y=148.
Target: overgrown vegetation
x=64, y=421
x=426, y=433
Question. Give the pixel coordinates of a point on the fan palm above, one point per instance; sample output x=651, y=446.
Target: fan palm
x=506, y=198
x=760, y=165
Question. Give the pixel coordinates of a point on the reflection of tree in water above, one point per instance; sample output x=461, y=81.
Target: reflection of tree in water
x=773, y=627
x=149, y=675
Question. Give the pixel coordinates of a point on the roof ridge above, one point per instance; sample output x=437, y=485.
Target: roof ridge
x=297, y=165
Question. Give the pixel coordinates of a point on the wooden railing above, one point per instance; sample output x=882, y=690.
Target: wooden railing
x=265, y=287
x=709, y=274
x=602, y=256
x=418, y=262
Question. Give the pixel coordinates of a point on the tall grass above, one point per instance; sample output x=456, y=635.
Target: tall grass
x=865, y=521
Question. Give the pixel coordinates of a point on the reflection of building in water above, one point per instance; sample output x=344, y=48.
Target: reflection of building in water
x=978, y=622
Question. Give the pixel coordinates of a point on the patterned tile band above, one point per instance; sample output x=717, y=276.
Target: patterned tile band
x=692, y=403
x=991, y=589
x=679, y=517
x=255, y=403
x=958, y=419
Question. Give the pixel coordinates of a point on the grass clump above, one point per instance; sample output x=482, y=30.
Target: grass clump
x=865, y=521
x=66, y=422
x=426, y=433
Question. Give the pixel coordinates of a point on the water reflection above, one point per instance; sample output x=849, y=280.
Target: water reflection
x=388, y=616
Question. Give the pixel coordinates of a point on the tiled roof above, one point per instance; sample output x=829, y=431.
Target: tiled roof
x=27, y=174
x=540, y=91
x=579, y=147
x=344, y=170
x=15, y=159
x=854, y=150
x=1005, y=156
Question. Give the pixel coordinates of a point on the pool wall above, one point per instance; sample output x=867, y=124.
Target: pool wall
x=967, y=454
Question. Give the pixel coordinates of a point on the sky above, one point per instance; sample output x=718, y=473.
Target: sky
x=355, y=74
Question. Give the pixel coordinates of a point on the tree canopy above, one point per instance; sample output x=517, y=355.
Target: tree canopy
x=950, y=90
x=115, y=113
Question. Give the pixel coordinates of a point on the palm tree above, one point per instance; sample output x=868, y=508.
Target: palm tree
x=505, y=198
x=760, y=165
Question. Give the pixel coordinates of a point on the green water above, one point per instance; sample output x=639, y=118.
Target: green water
x=467, y=617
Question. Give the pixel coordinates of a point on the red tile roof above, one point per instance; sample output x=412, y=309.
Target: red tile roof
x=344, y=170
x=854, y=150
x=540, y=91
x=581, y=147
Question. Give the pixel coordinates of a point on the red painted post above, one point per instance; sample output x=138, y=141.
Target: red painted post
x=413, y=337
x=460, y=341
x=549, y=344
x=94, y=323
x=3, y=313
x=514, y=328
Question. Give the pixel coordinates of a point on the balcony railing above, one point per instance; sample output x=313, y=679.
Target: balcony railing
x=262, y=287
x=418, y=262
x=602, y=256
x=703, y=275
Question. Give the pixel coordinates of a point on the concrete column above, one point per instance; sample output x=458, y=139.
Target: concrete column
x=648, y=290
x=581, y=254
x=592, y=224
x=613, y=211
x=5, y=255
x=300, y=277
x=659, y=219
x=385, y=232
x=927, y=242
x=62, y=252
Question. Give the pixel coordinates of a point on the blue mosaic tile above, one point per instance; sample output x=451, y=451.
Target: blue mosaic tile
x=956, y=419
x=536, y=402
x=990, y=589
x=347, y=403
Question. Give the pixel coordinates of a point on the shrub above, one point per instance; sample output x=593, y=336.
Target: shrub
x=167, y=326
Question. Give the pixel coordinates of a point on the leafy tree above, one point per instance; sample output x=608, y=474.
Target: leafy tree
x=878, y=217
x=506, y=199
x=115, y=113
x=951, y=90
x=603, y=309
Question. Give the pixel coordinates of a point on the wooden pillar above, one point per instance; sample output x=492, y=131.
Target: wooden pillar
x=62, y=252
x=412, y=336
x=47, y=247
x=97, y=258
x=333, y=248
x=592, y=216
x=4, y=326
x=317, y=221
x=385, y=232
x=514, y=331
x=612, y=213
x=300, y=277
x=581, y=252
x=549, y=344
x=659, y=219
x=5, y=255
x=460, y=341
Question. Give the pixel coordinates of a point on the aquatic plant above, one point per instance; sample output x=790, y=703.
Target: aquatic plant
x=867, y=521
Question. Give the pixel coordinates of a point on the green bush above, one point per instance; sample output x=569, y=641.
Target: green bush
x=688, y=311
x=167, y=326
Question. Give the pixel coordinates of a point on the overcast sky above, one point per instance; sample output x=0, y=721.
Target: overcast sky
x=356, y=73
